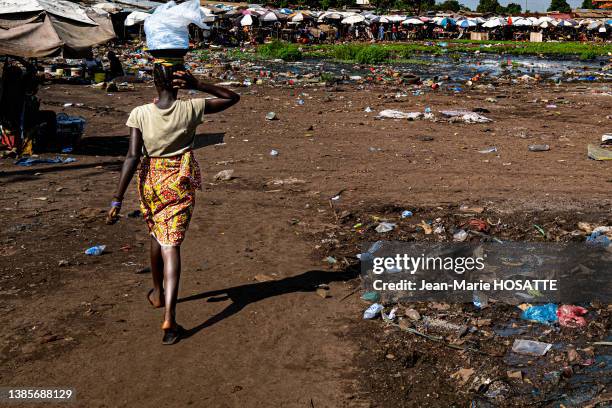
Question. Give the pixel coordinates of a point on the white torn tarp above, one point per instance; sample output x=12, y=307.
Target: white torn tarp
x=62, y=8
x=465, y=116
x=395, y=114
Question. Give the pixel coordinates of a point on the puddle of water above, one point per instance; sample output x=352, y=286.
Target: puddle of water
x=458, y=69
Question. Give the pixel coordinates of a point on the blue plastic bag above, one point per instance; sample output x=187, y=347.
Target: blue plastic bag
x=546, y=314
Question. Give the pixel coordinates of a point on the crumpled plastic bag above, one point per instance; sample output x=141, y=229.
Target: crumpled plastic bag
x=542, y=313
x=395, y=114
x=167, y=28
x=571, y=316
x=465, y=116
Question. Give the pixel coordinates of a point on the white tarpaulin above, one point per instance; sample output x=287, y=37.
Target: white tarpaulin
x=247, y=20
x=136, y=17
x=61, y=8
x=353, y=19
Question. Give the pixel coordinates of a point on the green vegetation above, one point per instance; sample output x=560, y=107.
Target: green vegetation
x=450, y=5
x=374, y=54
x=361, y=53
x=279, y=49
x=588, y=55
x=493, y=6
x=369, y=54
x=327, y=77
x=202, y=55
x=560, y=5
x=488, y=6
x=238, y=54
x=513, y=9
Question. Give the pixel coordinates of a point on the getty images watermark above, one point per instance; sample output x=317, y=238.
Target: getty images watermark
x=513, y=271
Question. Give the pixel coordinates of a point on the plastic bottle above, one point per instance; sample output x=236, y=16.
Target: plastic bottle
x=373, y=311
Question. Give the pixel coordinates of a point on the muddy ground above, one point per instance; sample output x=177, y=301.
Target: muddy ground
x=83, y=322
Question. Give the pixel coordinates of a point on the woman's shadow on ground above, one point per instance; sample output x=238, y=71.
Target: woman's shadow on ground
x=244, y=295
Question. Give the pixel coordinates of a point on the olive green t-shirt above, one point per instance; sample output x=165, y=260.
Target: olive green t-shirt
x=168, y=132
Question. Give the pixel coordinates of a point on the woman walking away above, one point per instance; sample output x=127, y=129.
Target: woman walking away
x=163, y=133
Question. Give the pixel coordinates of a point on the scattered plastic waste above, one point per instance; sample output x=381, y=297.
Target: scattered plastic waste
x=542, y=313
x=371, y=296
x=539, y=148
x=366, y=256
x=331, y=260
x=367, y=109
x=442, y=325
x=598, y=239
x=373, y=311
x=465, y=116
x=300, y=102
x=67, y=149
x=571, y=316
x=492, y=149
x=530, y=347
x=480, y=300
x=271, y=116
x=273, y=153
x=460, y=236
x=406, y=214
x=390, y=316
x=598, y=153
x=395, y=114
x=413, y=314
x=95, y=250
x=30, y=161
x=385, y=227
x=224, y=175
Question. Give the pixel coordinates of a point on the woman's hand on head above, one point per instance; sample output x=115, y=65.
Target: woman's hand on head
x=184, y=80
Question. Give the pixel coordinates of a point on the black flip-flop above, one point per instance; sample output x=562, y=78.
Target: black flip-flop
x=172, y=336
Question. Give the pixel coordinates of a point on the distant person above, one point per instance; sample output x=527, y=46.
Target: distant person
x=381, y=33
x=92, y=66
x=163, y=133
x=116, y=69
x=394, y=32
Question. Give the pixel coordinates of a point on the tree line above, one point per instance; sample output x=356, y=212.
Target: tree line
x=418, y=6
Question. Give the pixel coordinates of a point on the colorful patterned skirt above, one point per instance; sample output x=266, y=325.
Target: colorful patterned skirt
x=167, y=188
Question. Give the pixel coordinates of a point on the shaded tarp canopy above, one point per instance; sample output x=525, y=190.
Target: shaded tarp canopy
x=41, y=28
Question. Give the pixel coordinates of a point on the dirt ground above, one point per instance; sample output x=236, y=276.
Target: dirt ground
x=83, y=322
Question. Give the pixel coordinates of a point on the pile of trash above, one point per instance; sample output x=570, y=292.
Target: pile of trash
x=463, y=116
x=486, y=352
x=485, y=356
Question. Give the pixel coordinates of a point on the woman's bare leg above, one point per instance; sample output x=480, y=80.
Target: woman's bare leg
x=157, y=272
x=172, y=274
